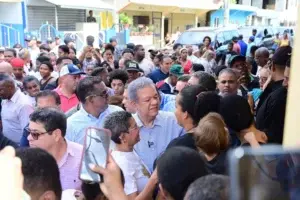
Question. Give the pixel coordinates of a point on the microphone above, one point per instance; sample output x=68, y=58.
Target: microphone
x=150, y=144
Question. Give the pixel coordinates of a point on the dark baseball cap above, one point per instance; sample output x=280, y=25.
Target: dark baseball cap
x=153, y=52
x=235, y=58
x=282, y=55
x=234, y=38
x=132, y=66
x=112, y=40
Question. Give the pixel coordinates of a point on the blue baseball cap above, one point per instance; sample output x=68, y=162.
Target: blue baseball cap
x=252, y=38
x=70, y=69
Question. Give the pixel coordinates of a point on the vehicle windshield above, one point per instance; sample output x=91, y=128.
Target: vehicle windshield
x=194, y=37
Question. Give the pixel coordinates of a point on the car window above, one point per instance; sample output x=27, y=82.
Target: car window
x=220, y=38
x=194, y=37
x=227, y=36
x=235, y=33
x=270, y=31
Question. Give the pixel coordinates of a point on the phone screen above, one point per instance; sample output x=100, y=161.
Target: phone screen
x=265, y=173
x=96, y=149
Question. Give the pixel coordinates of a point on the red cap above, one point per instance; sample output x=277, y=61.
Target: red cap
x=17, y=63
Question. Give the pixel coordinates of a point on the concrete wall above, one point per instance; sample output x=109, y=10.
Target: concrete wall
x=245, y=2
x=175, y=19
x=280, y=5
x=257, y=3
x=11, y=15
x=182, y=21
x=38, y=3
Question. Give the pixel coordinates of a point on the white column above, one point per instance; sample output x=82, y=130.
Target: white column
x=196, y=20
x=162, y=38
x=226, y=13
x=116, y=17
x=56, y=18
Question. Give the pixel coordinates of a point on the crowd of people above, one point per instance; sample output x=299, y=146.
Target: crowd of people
x=173, y=117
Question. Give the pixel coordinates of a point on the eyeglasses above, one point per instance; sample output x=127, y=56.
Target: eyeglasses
x=103, y=94
x=36, y=135
x=134, y=128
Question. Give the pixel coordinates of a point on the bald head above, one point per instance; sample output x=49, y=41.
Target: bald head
x=262, y=56
x=7, y=86
x=6, y=68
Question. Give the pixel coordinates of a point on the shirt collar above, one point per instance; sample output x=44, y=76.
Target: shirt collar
x=16, y=95
x=58, y=91
x=158, y=121
x=85, y=113
x=70, y=149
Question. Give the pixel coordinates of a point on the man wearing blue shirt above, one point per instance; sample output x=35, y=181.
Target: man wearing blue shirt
x=157, y=128
x=243, y=45
x=93, y=95
x=251, y=43
x=163, y=72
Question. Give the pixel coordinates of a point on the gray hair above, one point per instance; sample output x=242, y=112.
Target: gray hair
x=117, y=123
x=263, y=51
x=136, y=85
x=228, y=71
x=206, y=80
x=7, y=78
x=24, y=53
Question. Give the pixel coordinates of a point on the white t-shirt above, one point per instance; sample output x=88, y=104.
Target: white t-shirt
x=135, y=173
x=34, y=54
x=147, y=66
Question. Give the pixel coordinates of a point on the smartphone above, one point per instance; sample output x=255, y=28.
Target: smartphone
x=269, y=172
x=95, y=151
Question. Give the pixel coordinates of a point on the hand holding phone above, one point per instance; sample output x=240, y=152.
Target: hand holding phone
x=96, y=150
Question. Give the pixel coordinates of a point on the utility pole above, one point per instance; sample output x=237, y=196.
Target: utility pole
x=226, y=12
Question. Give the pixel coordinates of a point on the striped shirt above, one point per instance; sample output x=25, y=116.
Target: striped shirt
x=69, y=166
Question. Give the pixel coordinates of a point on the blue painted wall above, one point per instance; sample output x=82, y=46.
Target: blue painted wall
x=12, y=23
x=235, y=16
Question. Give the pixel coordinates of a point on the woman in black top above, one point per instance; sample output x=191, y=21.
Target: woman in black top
x=45, y=70
x=193, y=103
x=238, y=117
x=212, y=139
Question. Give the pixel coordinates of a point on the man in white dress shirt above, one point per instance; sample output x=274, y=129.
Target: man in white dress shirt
x=16, y=108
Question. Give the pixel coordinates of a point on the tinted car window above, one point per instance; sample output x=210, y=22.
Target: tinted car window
x=235, y=33
x=220, y=37
x=194, y=37
x=228, y=36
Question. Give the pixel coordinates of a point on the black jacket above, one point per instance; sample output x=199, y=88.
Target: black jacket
x=273, y=86
x=270, y=116
x=4, y=141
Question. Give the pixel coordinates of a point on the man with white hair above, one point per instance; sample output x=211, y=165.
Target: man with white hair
x=157, y=128
x=261, y=57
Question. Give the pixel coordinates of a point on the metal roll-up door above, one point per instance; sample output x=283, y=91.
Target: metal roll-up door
x=67, y=18
x=38, y=15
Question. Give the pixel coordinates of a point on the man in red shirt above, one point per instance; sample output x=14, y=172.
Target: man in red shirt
x=69, y=78
x=236, y=46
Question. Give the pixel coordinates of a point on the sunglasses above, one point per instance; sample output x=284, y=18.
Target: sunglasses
x=103, y=94
x=36, y=135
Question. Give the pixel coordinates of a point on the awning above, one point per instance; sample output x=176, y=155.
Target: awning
x=83, y=4
x=11, y=1
x=242, y=8
x=191, y=4
x=271, y=14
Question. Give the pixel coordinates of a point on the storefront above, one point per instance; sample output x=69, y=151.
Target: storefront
x=155, y=19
